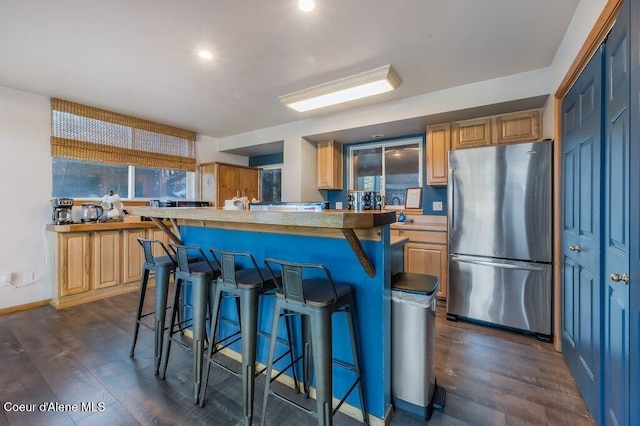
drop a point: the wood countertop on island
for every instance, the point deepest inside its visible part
(353, 226)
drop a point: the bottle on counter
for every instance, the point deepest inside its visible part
(402, 217)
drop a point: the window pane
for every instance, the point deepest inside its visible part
(367, 169)
(271, 185)
(83, 179)
(401, 171)
(159, 183)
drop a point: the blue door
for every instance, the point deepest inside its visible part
(616, 224)
(581, 231)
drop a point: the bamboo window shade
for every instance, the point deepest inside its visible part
(91, 134)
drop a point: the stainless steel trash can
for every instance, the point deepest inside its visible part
(413, 315)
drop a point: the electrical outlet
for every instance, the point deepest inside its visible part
(5, 279)
(437, 206)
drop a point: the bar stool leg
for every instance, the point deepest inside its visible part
(143, 291)
(322, 362)
(307, 354)
(200, 287)
(162, 288)
(349, 310)
(249, 333)
(214, 305)
(174, 313)
(272, 350)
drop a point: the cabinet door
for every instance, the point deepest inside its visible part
(207, 179)
(249, 182)
(74, 263)
(227, 185)
(438, 146)
(471, 133)
(519, 127)
(106, 259)
(329, 165)
(431, 259)
(160, 235)
(133, 256)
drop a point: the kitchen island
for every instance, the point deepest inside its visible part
(355, 247)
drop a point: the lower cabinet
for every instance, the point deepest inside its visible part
(431, 259)
(426, 253)
(93, 265)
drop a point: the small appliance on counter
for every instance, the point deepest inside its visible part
(91, 212)
(364, 200)
(62, 211)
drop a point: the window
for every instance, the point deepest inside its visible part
(96, 151)
(387, 167)
(271, 183)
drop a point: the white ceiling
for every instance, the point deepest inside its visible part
(140, 57)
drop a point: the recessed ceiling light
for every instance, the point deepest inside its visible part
(204, 54)
(378, 136)
(306, 5)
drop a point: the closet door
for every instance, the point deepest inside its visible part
(616, 224)
(581, 231)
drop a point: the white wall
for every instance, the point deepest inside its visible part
(25, 174)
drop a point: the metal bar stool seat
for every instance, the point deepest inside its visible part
(201, 276)
(162, 266)
(315, 297)
(246, 285)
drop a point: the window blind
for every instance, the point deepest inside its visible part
(91, 134)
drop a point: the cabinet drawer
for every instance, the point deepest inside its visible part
(434, 237)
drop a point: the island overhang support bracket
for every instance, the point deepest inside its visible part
(357, 248)
(167, 231)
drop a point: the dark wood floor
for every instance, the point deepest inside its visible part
(81, 354)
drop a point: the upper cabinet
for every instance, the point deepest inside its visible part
(329, 165)
(438, 146)
(220, 182)
(472, 133)
(520, 126)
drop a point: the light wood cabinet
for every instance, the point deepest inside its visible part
(425, 258)
(522, 126)
(471, 133)
(221, 181)
(426, 253)
(518, 127)
(106, 259)
(330, 165)
(438, 146)
(74, 263)
(132, 254)
(97, 261)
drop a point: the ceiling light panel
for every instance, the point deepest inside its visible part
(368, 83)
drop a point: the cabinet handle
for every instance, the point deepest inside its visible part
(617, 278)
(575, 248)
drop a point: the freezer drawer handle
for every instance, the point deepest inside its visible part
(527, 266)
(575, 248)
(617, 278)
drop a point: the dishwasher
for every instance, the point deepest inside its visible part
(413, 313)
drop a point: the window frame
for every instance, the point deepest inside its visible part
(405, 140)
(272, 167)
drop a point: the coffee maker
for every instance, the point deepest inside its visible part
(62, 211)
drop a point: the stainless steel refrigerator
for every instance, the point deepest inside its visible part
(499, 217)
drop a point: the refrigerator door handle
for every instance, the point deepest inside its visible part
(450, 207)
(511, 265)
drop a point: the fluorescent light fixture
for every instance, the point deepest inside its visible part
(368, 83)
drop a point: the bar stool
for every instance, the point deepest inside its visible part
(162, 266)
(247, 286)
(201, 276)
(315, 298)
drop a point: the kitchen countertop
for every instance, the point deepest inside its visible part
(423, 223)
